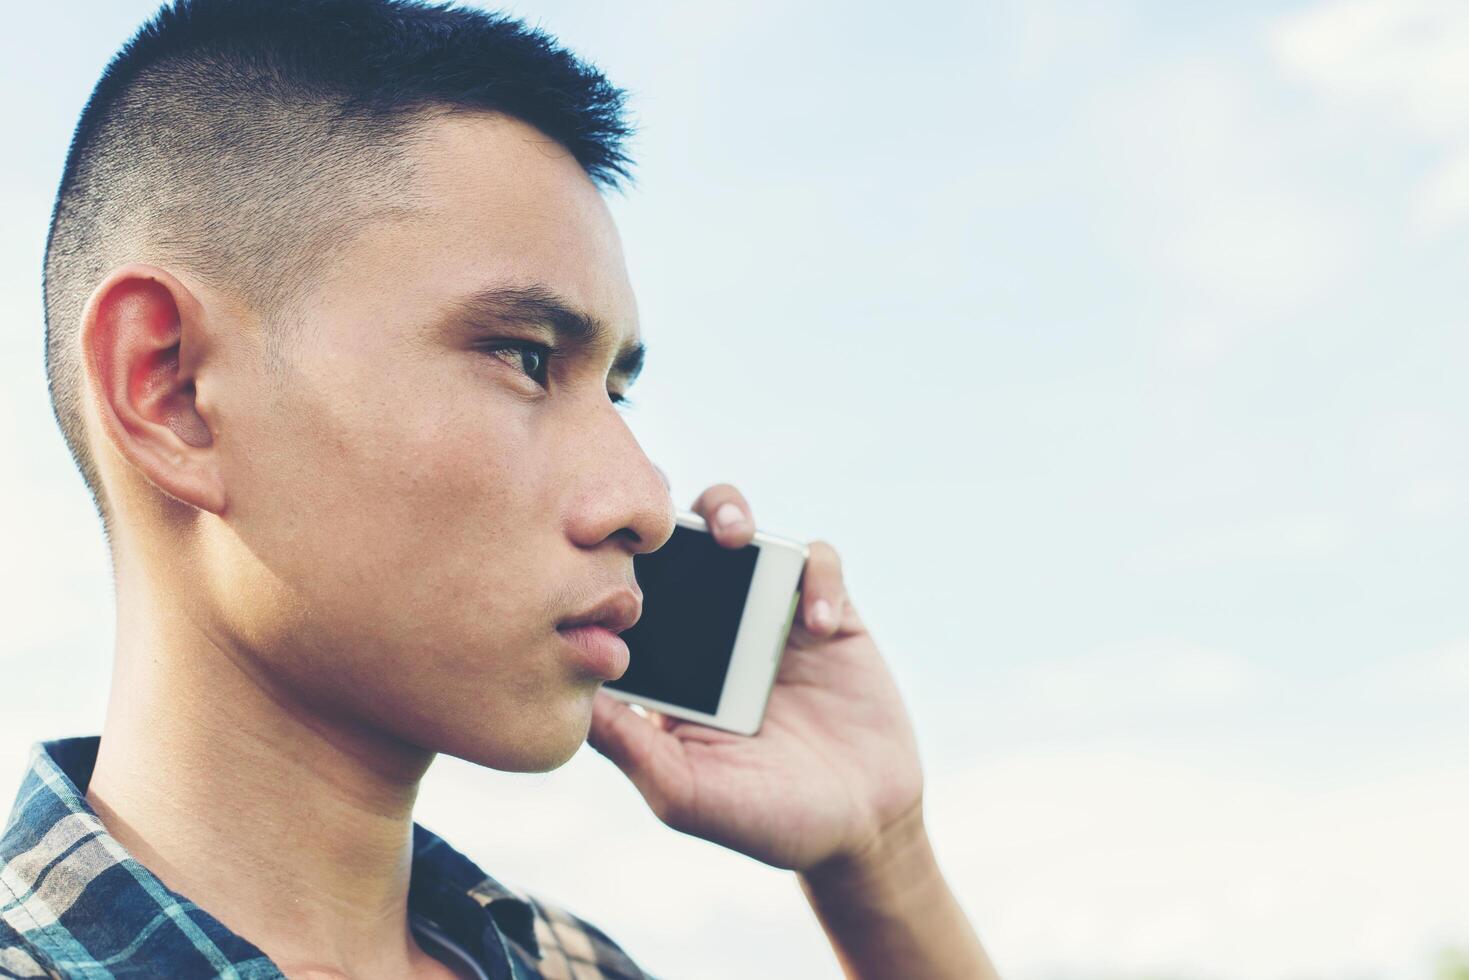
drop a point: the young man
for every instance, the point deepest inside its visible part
(337, 321)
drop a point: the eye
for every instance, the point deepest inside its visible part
(533, 359)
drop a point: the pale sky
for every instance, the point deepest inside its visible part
(1116, 346)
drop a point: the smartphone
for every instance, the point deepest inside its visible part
(714, 625)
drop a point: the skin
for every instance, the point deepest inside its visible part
(329, 575)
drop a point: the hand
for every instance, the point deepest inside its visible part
(835, 764)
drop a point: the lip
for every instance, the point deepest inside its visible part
(600, 649)
(615, 612)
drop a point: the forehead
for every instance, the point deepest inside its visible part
(494, 203)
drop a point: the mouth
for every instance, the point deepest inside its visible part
(614, 613)
(599, 649)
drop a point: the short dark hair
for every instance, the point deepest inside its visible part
(240, 137)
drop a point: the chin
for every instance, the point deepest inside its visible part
(531, 749)
(525, 758)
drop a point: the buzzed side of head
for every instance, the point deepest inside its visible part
(242, 139)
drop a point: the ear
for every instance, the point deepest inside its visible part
(142, 342)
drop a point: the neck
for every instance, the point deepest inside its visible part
(292, 830)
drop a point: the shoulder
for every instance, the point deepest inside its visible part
(18, 959)
(544, 938)
(575, 949)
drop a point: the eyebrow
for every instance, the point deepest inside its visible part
(536, 305)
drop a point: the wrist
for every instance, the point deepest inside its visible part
(893, 870)
(888, 911)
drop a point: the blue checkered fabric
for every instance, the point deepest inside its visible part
(74, 903)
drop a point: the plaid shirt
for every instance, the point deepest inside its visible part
(74, 903)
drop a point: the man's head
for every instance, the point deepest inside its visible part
(295, 244)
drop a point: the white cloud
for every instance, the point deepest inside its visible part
(1404, 56)
(1419, 456)
(1404, 61)
(1126, 678)
(1271, 539)
(1048, 32)
(1438, 676)
(1444, 197)
(1209, 195)
(1081, 863)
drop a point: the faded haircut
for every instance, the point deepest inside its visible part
(241, 139)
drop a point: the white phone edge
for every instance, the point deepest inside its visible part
(759, 642)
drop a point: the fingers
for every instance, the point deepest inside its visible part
(659, 720)
(823, 590)
(825, 606)
(633, 744)
(728, 515)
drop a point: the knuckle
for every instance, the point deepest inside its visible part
(824, 554)
(716, 495)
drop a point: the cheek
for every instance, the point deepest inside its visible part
(418, 454)
(413, 542)
(431, 488)
(432, 503)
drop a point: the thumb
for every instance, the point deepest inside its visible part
(650, 757)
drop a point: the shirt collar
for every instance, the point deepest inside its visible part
(51, 817)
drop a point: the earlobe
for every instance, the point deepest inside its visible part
(140, 337)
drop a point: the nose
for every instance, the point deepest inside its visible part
(618, 492)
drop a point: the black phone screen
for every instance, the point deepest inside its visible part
(694, 593)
